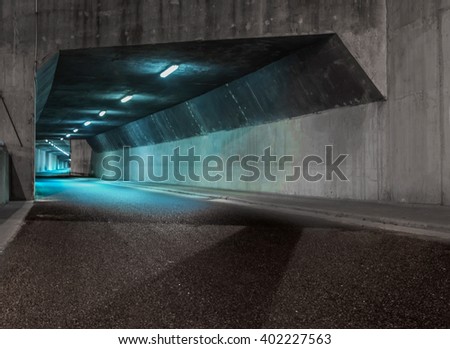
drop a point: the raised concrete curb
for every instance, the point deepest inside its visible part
(378, 223)
(12, 217)
(435, 230)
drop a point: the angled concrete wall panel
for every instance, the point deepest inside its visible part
(319, 77)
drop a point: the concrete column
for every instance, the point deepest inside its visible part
(17, 57)
(444, 25)
(81, 155)
(4, 175)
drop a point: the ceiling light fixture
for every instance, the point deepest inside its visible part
(87, 123)
(62, 151)
(169, 71)
(103, 113)
(126, 99)
(75, 130)
(68, 135)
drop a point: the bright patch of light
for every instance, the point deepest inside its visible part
(126, 99)
(61, 139)
(75, 130)
(62, 151)
(103, 112)
(87, 123)
(169, 71)
(68, 135)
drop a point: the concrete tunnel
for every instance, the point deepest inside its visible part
(294, 128)
(308, 48)
(219, 90)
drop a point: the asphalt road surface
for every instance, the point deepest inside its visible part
(95, 255)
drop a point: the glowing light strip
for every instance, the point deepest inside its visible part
(126, 99)
(62, 151)
(169, 71)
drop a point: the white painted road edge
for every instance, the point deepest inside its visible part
(371, 222)
(11, 225)
(357, 222)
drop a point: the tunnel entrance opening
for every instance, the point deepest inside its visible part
(111, 98)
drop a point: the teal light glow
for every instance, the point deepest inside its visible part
(126, 99)
(62, 151)
(103, 112)
(87, 123)
(169, 71)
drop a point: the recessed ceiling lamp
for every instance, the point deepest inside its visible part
(126, 99)
(169, 71)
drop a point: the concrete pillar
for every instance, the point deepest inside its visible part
(444, 42)
(81, 155)
(17, 57)
(4, 175)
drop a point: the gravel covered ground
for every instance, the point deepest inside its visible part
(101, 256)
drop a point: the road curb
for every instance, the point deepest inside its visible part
(12, 224)
(438, 232)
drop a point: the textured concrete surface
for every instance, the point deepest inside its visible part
(89, 256)
(80, 155)
(29, 35)
(321, 75)
(354, 131)
(398, 150)
(111, 73)
(17, 66)
(4, 175)
(12, 217)
(417, 124)
(70, 24)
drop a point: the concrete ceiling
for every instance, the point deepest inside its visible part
(55, 146)
(90, 80)
(321, 76)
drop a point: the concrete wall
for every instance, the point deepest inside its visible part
(17, 57)
(398, 150)
(318, 77)
(412, 129)
(353, 131)
(80, 154)
(71, 24)
(29, 35)
(418, 130)
(4, 175)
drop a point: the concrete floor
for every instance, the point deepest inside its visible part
(93, 255)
